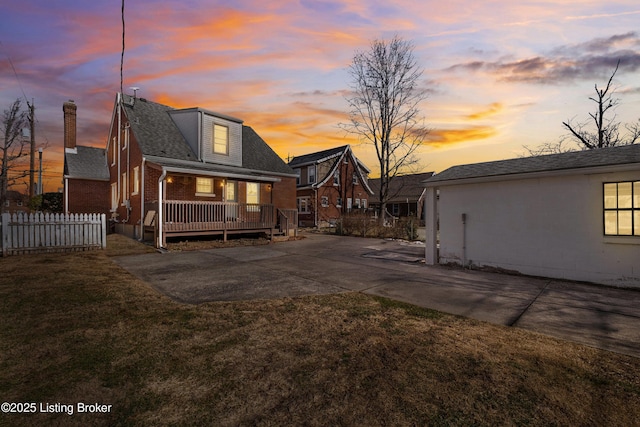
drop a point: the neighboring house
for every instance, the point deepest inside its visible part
(15, 202)
(330, 183)
(572, 216)
(405, 194)
(86, 177)
(182, 172)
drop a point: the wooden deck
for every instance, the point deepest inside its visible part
(192, 218)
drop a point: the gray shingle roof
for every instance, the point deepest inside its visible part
(314, 157)
(158, 136)
(155, 131)
(402, 187)
(257, 155)
(86, 163)
(552, 162)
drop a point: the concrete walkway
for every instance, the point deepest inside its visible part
(601, 317)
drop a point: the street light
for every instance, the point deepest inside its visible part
(40, 172)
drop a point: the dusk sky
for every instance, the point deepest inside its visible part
(500, 74)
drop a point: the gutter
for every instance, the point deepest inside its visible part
(220, 169)
(175, 169)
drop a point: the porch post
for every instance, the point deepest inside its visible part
(161, 239)
(431, 226)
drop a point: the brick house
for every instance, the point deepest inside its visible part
(85, 176)
(182, 172)
(329, 184)
(15, 202)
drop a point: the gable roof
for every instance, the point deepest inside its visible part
(629, 154)
(402, 187)
(317, 157)
(337, 155)
(155, 131)
(86, 163)
(160, 139)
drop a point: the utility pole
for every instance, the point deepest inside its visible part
(32, 167)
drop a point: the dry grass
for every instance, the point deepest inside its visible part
(77, 328)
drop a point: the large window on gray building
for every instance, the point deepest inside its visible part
(622, 208)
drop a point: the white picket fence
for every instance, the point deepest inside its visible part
(43, 232)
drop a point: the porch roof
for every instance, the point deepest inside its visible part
(210, 169)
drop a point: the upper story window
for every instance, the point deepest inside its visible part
(355, 178)
(622, 208)
(336, 177)
(311, 174)
(297, 171)
(220, 139)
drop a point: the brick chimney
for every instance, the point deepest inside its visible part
(69, 109)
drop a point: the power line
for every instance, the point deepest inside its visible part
(122, 54)
(16, 73)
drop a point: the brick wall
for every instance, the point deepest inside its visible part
(87, 196)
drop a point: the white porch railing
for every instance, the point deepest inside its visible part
(31, 233)
(193, 216)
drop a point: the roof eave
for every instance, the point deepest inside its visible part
(590, 170)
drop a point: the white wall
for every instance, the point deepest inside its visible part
(550, 226)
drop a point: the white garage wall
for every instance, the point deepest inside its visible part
(546, 226)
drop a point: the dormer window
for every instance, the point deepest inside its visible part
(220, 139)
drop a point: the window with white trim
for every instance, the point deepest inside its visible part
(297, 171)
(253, 193)
(136, 180)
(114, 196)
(303, 204)
(324, 201)
(336, 177)
(125, 187)
(621, 208)
(114, 151)
(311, 174)
(220, 139)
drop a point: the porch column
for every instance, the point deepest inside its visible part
(431, 226)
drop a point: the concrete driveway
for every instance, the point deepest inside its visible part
(602, 317)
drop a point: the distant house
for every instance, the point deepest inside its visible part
(184, 172)
(85, 176)
(405, 194)
(15, 202)
(572, 215)
(329, 184)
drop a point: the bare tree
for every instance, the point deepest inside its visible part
(13, 149)
(607, 130)
(549, 148)
(384, 107)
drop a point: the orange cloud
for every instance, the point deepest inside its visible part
(492, 110)
(447, 137)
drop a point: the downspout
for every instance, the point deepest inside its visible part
(160, 209)
(118, 155)
(464, 240)
(66, 195)
(127, 141)
(142, 195)
(316, 207)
